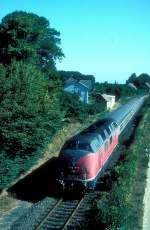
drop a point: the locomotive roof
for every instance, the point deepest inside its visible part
(98, 124)
(90, 133)
(94, 135)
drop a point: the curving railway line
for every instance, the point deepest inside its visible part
(55, 214)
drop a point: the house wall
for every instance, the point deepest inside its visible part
(111, 103)
(80, 90)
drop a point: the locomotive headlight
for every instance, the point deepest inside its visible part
(77, 168)
(74, 169)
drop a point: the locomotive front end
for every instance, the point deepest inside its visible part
(71, 176)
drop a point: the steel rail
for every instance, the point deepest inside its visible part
(48, 214)
(73, 213)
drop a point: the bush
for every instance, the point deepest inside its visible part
(29, 114)
(73, 108)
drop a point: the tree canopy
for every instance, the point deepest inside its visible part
(139, 81)
(28, 37)
(66, 75)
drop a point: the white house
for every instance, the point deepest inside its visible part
(110, 99)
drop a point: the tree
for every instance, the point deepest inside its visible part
(66, 75)
(28, 37)
(140, 81)
(132, 78)
(29, 114)
(98, 103)
(72, 106)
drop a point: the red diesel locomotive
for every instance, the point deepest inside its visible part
(85, 156)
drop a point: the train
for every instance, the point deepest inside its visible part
(84, 157)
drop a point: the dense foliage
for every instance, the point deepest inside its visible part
(73, 108)
(28, 37)
(33, 105)
(26, 108)
(66, 75)
(140, 81)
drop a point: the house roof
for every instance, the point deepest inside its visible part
(107, 97)
(85, 83)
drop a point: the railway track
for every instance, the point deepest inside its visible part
(56, 214)
(51, 213)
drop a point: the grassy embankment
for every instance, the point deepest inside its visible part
(122, 207)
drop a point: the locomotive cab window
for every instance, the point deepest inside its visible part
(71, 145)
(84, 146)
(76, 144)
(95, 145)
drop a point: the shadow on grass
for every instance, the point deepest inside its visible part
(38, 184)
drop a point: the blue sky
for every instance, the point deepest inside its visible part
(109, 39)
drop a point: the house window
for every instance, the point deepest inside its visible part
(76, 89)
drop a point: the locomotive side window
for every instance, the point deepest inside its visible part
(114, 124)
(106, 146)
(107, 135)
(103, 135)
(110, 139)
(102, 154)
(100, 140)
(111, 127)
(108, 130)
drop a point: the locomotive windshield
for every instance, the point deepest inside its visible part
(77, 145)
